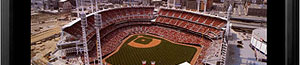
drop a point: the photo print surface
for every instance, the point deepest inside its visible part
(148, 32)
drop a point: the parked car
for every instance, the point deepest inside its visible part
(240, 44)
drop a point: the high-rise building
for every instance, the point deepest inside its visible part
(192, 4)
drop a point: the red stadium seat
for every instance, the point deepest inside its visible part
(141, 13)
(209, 21)
(202, 19)
(189, 16)
(160, 11)
(206, 30)
(170, 13)
(203, 29)
(149, 11)
(189, 26)
(196, 27)
(221, 25)
(182, 24)
(164, 12)
(113, 13)
(178, 22)
(158, 19)
(166, 20)
(217, 32)
(123, 13)
(177, 14)
(195, 18)
(213, 30)
(161, 19)
(173, 21)
(216, 23)
(183, 15)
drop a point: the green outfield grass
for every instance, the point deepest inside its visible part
(166, 53)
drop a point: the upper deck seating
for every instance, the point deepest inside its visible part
(109, 17)
(195, 22)
(193, 17)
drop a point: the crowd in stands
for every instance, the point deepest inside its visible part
(109, 17)
(195, 22)
(124, 14)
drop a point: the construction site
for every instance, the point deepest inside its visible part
(101, 32)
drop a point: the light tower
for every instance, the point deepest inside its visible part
(205, 3)
(84, 41)
(77, 8)
(168, 4)
(81, 5)
(98, 24)
(228, 22)
(174, 3)
(96, 5)
(198, 5)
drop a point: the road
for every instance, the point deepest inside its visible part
(247, 25)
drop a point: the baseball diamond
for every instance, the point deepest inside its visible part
(162, 51)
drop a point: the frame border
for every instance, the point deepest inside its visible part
(291, 32)
(5, 39)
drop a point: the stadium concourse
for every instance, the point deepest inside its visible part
(177, 25)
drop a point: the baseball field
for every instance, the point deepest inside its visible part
(145, 47)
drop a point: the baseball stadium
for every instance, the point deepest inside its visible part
(132, 35)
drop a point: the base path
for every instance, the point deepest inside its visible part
(153, 43)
